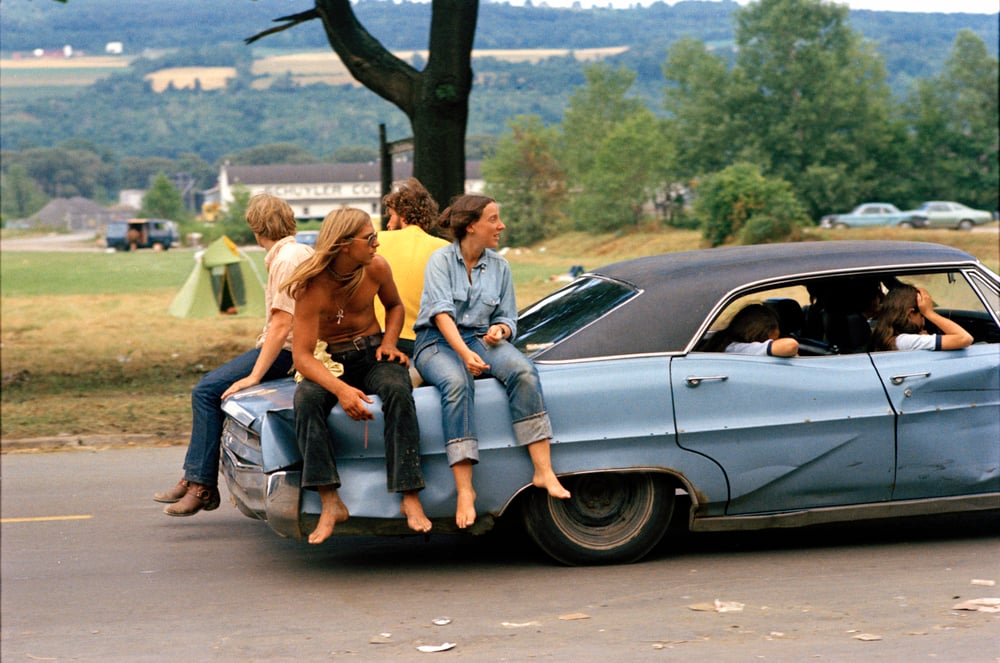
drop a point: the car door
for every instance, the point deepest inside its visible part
(948, 418)
(789, 433)
(940, 215)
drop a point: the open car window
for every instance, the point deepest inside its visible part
(834, 315)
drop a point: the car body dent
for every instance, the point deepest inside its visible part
(947, 405)
(763, 423)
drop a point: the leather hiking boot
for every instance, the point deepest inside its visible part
(174, 494)
(198, 497)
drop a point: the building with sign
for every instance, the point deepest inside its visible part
(315, 190)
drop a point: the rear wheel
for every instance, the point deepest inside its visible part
(612, 518)
(840, 226)
(965, 224)
(906, 224)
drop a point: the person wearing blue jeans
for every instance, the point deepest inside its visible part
(468, 315)
(273, 225)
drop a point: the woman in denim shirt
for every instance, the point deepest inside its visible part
(467, 317)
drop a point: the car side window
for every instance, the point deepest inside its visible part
(956, 298)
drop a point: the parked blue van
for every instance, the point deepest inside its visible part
(157, 234)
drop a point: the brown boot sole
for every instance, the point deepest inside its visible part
(211, 505)
(173, 495)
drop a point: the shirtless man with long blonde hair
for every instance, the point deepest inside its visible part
(334, 294)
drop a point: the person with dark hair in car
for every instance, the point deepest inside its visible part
(754, 331)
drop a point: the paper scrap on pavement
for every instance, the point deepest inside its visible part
(979, 605)
(574, 615)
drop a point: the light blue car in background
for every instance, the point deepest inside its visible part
(652, 432)
(869, 215)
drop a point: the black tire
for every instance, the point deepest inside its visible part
(906, 224)
(966, 224)
(840, 226)
(612, 518)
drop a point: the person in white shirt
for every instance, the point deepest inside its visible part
(901, 320)
(754, 331)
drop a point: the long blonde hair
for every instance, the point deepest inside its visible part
(338, 230)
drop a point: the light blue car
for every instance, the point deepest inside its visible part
(647, 424)
(869, 215)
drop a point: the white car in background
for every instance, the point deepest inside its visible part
(947, 214)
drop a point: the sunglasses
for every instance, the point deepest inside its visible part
(371, 239)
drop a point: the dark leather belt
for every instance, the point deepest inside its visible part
(355, 344)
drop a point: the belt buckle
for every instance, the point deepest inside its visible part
(359, 343)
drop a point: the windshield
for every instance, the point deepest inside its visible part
(550, 320)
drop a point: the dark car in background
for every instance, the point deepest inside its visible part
(156, 234)
(647, 422)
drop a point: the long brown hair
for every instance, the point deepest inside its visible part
(338, 230)
(463, 212)
(755, 323)
(894, 317)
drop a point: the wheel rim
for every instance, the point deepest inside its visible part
(606, 510)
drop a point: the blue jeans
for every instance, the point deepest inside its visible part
(201, 464)
(439, 365)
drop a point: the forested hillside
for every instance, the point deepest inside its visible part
(119, 132)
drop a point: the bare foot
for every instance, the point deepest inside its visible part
(465, 509)
(550, 482)
(334, 511)
(544, 476)
(414, 512)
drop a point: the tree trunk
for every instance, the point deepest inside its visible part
(435, 100)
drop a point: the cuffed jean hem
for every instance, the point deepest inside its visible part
(533, 429)
(462, 449)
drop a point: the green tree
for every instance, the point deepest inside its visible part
(64, 173)
(594, 110)
(163, 201)
(811, 94)
(954, 119)
(20, 195)
(740, 203)
(611, 149)
(806, 99)
(354, 154)
(525, 176)
(630, 166)
(276, 153)
(435, 99)
(233, 222)
(702, 126)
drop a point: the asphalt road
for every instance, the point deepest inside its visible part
(92, 571)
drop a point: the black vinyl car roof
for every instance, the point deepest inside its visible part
(679, 290)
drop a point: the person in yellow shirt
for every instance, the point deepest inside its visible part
(412, 216)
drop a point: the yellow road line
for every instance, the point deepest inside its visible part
(43, 519)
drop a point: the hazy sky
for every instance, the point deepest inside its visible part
(944, 6)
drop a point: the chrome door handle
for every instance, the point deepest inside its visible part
(695, 380)
(899, 379)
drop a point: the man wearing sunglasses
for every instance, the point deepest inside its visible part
(334, 293)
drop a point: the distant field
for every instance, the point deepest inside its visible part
(210, 78)
(26, 78)
(30, 76)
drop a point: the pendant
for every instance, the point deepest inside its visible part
(340, 315)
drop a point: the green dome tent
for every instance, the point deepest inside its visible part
(224, 281)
